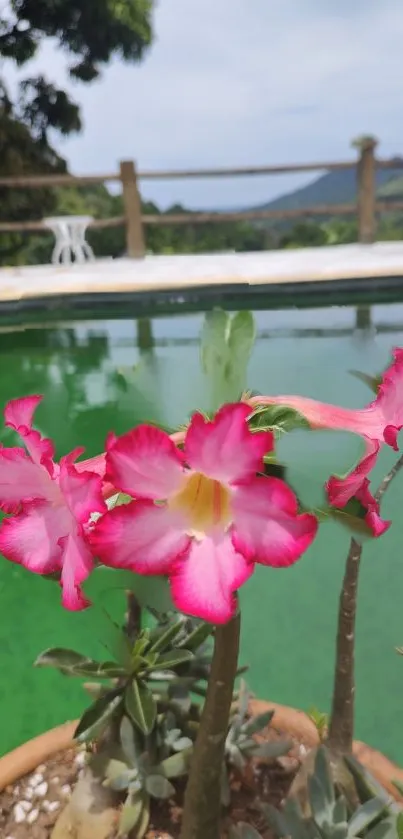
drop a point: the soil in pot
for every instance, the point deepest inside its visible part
(30, 807)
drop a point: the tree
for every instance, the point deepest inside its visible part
(90, 34)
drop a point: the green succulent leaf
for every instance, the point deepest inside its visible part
(158, 786)
(275, 820)
(135, 814)
(129, 739)
(399, 825)
(257, 723)
(140, 705)
(277, 748)
(367, 786)
(96, 717)
(365, 815)
(176, 765)
(385, 829)
(118, 777)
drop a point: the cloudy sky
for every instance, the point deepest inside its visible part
(238, 82)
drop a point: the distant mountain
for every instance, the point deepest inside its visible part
(336, 188)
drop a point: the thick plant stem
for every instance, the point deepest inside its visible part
(202, 807)
(341, 727)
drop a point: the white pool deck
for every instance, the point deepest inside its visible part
(166, 273)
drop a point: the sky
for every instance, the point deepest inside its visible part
(242, 82)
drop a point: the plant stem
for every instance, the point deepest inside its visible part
(341, 725)
(202, 807)
(133, 616)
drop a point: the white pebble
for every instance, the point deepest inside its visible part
(41, 789)
(29, 793)
(19, 814)
(80, 759)
(32, 816)
(26, 805)
(16, 791)
(51, 806)
(41, 768)
(55, 780)
(303, 751)
(9, 837)
(36, 779)
(65, 789)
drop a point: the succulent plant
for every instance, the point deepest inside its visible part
(377, 817)
(240, 743)
(134, 773)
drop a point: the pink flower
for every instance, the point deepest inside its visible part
(378, 423)
(51, 504)
(201, 516)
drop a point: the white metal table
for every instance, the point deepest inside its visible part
(70, 244)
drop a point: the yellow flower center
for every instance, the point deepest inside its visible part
(205, 502)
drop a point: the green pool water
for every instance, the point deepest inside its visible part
(95, 377)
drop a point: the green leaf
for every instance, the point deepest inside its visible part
(170, 660)
(399, 825)
(373, 382)
(129, 740)
(277, 748)
(117, 776)
(159, 787)
(275, 820)
(73, 664)
(140, 705)
(277, 418)
(367, 786)
(323, 774)
(365, 815)
(226, 345)
(96, 717)
(386, 829)
(167, 636)
(198, 637)
(256, 724)
(134, 814)
(176, 765)
(396, 783)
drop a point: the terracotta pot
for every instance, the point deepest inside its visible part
(288, 720)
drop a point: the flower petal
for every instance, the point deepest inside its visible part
(204, 582)
(340, 490)
(82, 491)
(140, 536)
(389, 400)
(77, 564)
(23, 480)
(144, 463)
(225, 449)
(267, 527)
(372, 517)
(31, 538)
(18, 414)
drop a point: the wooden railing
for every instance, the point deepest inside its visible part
(366, 207)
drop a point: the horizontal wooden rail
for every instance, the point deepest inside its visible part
(41, 181)
(167, 219)
(244, 170)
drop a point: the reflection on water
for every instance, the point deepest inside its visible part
(105, 375)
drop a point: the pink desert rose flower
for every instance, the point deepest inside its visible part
(201, 516)
(378, 423)
(51, 502)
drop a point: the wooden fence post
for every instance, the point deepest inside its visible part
(135, 244)
(366, 189)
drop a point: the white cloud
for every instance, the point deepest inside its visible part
(236, 82)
